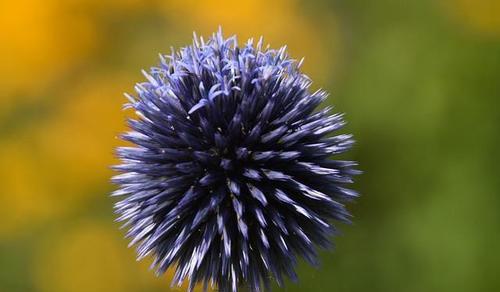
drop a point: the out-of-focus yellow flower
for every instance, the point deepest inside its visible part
(88, 258)
(54, 167)
(40, 39)
(77, 143)
(24, 190)
(479, 16)
(93, 257)
(280, 22)
(80, 137)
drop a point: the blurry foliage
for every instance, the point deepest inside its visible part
(417, 79)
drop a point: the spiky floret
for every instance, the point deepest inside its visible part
(230, 179)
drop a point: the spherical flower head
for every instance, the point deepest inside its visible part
(231, 179)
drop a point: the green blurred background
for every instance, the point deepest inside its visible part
(419, 81)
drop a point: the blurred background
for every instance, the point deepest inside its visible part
(419, 81)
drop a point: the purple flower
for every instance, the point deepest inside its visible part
(230, 179)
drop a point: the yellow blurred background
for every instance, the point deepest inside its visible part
(418, 80)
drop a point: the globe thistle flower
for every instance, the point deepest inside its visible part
(230, 180)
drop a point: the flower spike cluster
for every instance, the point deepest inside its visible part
(231, 177)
